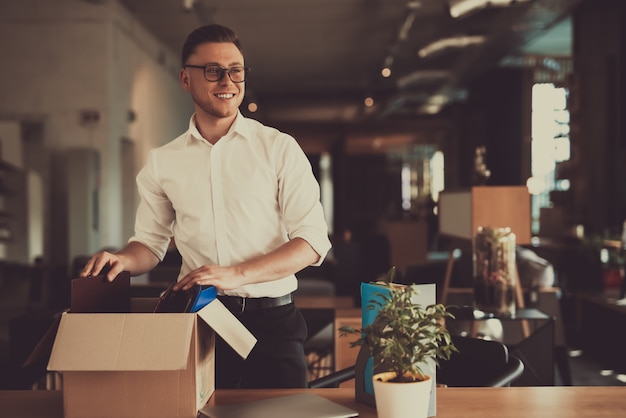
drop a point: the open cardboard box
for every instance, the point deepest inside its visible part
(142, 364)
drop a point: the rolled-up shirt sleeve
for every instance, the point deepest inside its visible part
(155, 214)
(299, 199)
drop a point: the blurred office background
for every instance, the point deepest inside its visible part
(392, 100)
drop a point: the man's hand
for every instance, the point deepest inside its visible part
(223, 278)
(103, 260)
(135, 258)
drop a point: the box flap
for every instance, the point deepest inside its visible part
(41, 352)
(223, 322)
(112, 342)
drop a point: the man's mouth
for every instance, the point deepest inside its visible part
(225, 95)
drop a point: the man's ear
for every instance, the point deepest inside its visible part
(184, 79)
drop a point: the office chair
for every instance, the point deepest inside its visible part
(318, 346)
(333, 380)
(478, 363)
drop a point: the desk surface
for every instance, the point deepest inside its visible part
(527, 402)
(323, 302)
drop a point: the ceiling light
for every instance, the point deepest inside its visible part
(429, 109)
(424, 76)
(386, 72)
(414, 4)
(454, 42)
(368, 102)
(433, 105)
(188, 5)
(406, 27)
(460, 8)
(438, 99)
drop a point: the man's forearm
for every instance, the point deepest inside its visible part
(287, 259)
(137, 258)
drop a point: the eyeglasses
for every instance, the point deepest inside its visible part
(216, 73)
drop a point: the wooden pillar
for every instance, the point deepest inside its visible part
(599, 95)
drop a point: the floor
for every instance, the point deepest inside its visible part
(588, 372)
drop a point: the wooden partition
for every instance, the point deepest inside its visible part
(462, 212)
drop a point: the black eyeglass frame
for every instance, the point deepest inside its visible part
(221, 73)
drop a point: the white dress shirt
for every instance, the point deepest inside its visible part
(225, 203)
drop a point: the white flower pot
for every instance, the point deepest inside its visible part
(401, 400)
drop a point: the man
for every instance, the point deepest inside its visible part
(242, 205)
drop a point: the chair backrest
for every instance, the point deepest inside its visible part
(479, 363)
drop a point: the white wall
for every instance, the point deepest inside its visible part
(65, 57)
(144, 81)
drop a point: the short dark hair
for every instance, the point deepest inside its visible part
(208, 33)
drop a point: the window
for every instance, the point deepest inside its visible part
(422, 177)
(550, 145)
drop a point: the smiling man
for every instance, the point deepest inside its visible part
(242, 204)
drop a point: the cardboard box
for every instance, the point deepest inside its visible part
(142, 364)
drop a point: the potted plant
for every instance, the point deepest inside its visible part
(403, 337)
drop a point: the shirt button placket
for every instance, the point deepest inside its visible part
(218, 206)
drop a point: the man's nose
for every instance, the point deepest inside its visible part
(225, 78)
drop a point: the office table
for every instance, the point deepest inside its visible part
(507, 402)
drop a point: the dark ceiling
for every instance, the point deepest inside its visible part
(317, 60)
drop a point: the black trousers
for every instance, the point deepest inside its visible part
(276, 361)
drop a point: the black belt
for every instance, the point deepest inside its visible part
(240, 304)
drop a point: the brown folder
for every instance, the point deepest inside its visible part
(95, 294)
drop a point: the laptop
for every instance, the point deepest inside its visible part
(303, 405)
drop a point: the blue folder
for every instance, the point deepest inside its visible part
(185, 301)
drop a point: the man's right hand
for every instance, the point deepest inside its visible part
(104, 262)
(135, 258)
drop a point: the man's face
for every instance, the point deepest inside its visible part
(219, 99)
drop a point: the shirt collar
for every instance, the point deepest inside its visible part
(240, 127)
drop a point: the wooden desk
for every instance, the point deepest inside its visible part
(323, 302)
(318, 320)
(31, 403)
(345, 356)
(527, 402)
(508, 402)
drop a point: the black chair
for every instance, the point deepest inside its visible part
(318, 347)
(478, 363)
(333, 380)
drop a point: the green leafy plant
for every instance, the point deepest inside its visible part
(404, 335)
